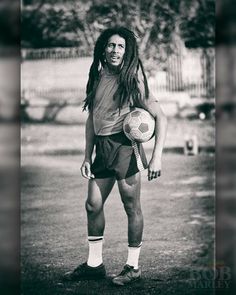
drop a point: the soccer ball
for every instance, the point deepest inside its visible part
(139, 125)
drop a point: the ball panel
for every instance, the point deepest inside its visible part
(127, 128)
(134, 122)
(135, 113)
(143, 127)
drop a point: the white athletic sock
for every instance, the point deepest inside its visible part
(95, 251)
(133, 256)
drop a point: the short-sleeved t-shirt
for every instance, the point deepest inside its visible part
(107, 119)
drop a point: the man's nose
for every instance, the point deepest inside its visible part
(115, 48)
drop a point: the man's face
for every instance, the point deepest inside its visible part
(115, 50)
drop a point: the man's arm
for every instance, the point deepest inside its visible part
(89, 146)
(154, 167)
(89, 138)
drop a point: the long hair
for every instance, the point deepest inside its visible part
(128, 90)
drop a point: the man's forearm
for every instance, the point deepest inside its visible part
(89, 136)
(160, 135)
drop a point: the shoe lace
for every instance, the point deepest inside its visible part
(126, 269)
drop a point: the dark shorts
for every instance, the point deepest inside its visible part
(117, 156)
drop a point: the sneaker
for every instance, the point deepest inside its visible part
(128, 275)
(85, 272)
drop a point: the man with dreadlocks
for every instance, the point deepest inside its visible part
(116, 83)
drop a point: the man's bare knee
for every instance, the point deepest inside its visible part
(93, 208)
(132, 208)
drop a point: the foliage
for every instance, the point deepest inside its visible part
(159, 24)
(152, 21)
(198, 23)
(49, 27)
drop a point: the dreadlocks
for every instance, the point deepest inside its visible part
(128, 89)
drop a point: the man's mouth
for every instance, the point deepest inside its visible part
(115, 58)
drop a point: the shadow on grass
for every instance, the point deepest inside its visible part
(180, 281)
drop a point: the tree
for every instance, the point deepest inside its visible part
(158, 24)
(197, 25)
(48, 26)
(152, 21)
(198, 31)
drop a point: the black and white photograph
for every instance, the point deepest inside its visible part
(121, 189)
(117, 109)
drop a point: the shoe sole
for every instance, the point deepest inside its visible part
(85, 279)
(130, 282)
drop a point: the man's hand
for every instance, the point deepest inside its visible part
(86, 170)
(154, 168)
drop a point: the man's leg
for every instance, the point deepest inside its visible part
(130, 194)
(98, 191)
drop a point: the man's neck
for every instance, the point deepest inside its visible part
(112, 70)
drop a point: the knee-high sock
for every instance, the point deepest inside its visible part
(95, 251)
(133, 256)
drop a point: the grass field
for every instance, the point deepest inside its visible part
(70, 139)
(178, 212)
